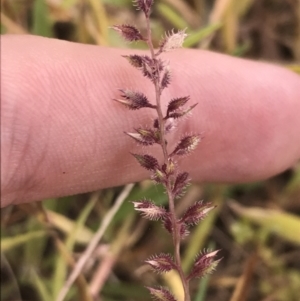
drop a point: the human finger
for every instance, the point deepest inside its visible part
(62, 134)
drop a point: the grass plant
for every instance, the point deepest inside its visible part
(32, 250)
(166, 173)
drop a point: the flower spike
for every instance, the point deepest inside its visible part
(164, 171)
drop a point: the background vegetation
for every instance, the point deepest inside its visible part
(256, 225)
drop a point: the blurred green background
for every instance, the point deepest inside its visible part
(256, 225)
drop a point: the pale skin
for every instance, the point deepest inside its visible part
(62, 134)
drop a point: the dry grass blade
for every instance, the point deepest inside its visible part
(186, 12)
(215, 16)
(118, 246)
(278, 222)
(94, 242)
(243, 284)
(11, 26)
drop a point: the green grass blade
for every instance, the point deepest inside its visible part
(41, 23)
(40, 286)
(7, 243)
(61, 264)
(170, 15)
(201, 293)
(66, 225)
(197, 36)
(273, 221)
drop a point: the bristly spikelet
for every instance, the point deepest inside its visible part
(196, 213)
(172, 41)
(167, 223)
(150, 210)
(134, 100)
(147, 161)
(144, 5)
(186, 145)
(151, 68)
(140, 139)
(145, 136)
(176, 103)
(181, 182)
(161, 263)
(128, 32)
(135, 60)
(161, 294)
(183, 230)
(204, 264)
(166, 78)
(181, 112)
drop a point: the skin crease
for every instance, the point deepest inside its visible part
(62, 134)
